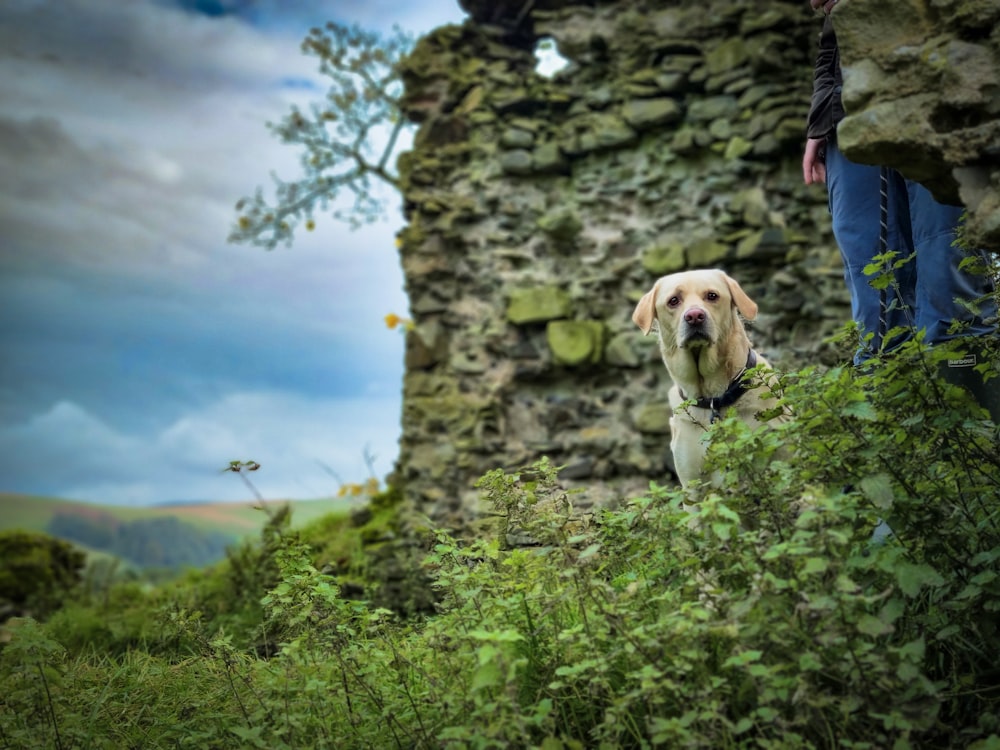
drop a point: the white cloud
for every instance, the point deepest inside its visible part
(143, 352)
(73, 452)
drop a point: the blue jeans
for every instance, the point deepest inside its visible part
(927, 286)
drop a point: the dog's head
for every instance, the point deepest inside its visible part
(693, 308)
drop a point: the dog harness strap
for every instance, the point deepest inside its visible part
(716, 404)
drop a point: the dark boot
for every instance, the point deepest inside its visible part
(962, 372)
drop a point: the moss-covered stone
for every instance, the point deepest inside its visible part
(575, 342)
(549, 158)
(756, 94)
(426, 346)
(706, 252)
(712, 108)
(751, 205)
(721, 129)
(643, 114)
(769, 241)
(517, 138)
(684, 142)
(595, 132)
(622, 351)
(769, 19)
(726, 56)
(664, 258)
(653, 418)
(672, 83)
(562, 225)
(516, 161)
(538, 304)
(737, 148)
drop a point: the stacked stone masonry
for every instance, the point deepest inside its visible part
(922, 84)
(540, 209)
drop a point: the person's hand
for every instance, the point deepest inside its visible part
(825, 5)
(814, 161)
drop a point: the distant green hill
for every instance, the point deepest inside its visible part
(157, 536)
(34, 513)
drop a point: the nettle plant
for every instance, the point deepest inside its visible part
(774, 616)
(886, 487)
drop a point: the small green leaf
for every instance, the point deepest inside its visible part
(947, 632)
(873, 626)
(860, 410)
(723, 531)
(990, 743)
(743, 725)
(984, 578)
(914, 649)
(893, 609)
(809, 663)
(878, 489)
(743, 658)
(488, 653)
(911, 578)
(486, 675)
(815, 565)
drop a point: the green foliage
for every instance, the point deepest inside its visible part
(530, 504)
(896, 442)
(338, 137)
(36, 572)
(770, 617)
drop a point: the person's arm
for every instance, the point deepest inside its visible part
(825, 109)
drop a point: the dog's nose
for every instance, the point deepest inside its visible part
(695, 316)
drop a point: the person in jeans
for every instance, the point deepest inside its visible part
(926, 289)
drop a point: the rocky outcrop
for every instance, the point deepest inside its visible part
(540, 209)
(922, 90)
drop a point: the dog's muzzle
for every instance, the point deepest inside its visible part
(695, 328)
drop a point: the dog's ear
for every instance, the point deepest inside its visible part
(644, 314)
(746, 306)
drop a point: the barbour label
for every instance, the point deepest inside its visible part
(966, 361)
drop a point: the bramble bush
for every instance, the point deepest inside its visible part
(771, 617)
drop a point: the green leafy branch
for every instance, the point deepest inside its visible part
(348, 140)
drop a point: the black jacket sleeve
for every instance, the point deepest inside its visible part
(826, 109)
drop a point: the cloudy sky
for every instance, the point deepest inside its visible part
(139, 351)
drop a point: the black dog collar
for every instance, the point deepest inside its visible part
(736, 389)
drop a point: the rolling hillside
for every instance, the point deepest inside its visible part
(165, 536)
(33, 513)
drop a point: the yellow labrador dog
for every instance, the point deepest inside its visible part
(707, 352)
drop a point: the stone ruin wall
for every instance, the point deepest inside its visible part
(539, 211)
(922, 84)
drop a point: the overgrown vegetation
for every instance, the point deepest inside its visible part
(770, 618)
(36, 573)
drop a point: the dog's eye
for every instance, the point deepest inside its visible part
(673, 301)
(712, 296)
